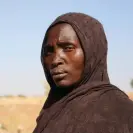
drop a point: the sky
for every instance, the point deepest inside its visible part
(23, 24)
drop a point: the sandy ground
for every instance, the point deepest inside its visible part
(19, 113)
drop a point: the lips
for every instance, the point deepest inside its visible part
(58, 74)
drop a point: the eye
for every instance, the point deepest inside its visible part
(69, 47)
(48, 50)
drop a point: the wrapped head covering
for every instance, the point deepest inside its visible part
(93, 105)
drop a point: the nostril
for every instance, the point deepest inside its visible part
(56, 63)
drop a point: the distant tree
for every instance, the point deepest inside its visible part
(22, 96)
(131, 83)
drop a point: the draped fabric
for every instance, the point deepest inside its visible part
(94, 105)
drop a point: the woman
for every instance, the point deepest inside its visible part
(81, 98)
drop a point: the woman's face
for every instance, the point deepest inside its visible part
(63, 55)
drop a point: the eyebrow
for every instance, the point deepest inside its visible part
(65, 43)
(60, 43)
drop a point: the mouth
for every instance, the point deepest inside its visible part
(58, 75)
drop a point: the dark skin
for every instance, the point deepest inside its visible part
(64, 57)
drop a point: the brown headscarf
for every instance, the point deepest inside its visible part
(94, 105)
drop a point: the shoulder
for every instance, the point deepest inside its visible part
(117, 102)
(117, 96)
(118, 105)
(122, 98)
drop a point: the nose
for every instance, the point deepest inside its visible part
(57, 60)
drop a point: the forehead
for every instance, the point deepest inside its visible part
(61, 32)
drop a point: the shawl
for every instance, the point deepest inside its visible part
(94, 105)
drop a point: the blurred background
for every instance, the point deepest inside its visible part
(23, 23)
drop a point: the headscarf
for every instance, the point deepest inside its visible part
(60, 107)
(93, 41)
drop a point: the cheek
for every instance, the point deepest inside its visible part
(75, 67)
(78, 59)
(77, 62)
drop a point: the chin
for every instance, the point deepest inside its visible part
(66, 84)
(63, 84)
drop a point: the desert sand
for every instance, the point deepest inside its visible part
(18, 114)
